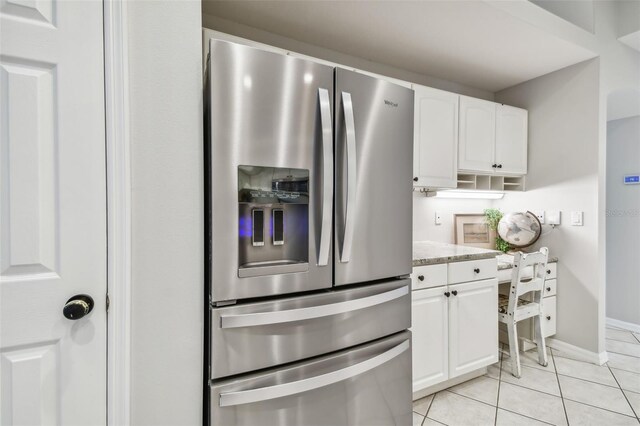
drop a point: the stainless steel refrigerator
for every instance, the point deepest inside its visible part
(308, 188)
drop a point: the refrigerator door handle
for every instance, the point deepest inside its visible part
(350, 131)
(327, 176)
(291, 315)
(293, 388)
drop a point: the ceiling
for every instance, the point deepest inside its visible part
(468, 42)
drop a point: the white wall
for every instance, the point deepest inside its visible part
(623, 221)
(564, 109)
(424, 210)
(167, 212)
(579, 13)
(244, 31)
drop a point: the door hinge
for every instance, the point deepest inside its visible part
(108, 302)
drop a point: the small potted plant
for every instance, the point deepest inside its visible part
(492, 217)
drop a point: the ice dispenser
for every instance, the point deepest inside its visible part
(273, 222)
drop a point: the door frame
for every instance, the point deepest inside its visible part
(117, 151)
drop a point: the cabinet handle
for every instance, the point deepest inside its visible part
(548, 288)
(476, 270)
(548, 317)
(446, 293)
(415, 179)
(421, 277)
(494, 165)
(454, 292)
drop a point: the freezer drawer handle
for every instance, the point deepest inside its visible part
(327, 176)
(291, 315)
(293, 388)
(350, 130)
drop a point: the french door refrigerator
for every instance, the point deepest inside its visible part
(308, 194)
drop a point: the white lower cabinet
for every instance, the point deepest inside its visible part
(455, 330)
(473, 326)
(429, 327)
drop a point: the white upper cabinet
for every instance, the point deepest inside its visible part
(477, 135)
(493, 137)
(435, 154)
(511, 139)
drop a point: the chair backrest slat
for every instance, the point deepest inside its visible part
(520, 286)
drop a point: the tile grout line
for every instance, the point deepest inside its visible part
(600, 408)
(623, 394)
(588, 381)
(564, 407)
(430, 404)
(495, 419)
(624, 341)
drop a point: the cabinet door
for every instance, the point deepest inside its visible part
(473, 326)
(429, 335)
(511, 139)
(435, 146)
(476, 148)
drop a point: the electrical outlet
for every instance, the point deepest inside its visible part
(554, 217)
(540, 215)
(577, 218)
(438, 218)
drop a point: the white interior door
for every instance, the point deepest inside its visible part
(52, 213)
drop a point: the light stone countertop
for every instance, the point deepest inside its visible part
(431, 253)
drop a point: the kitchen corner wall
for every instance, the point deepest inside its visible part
(167, 253)
(564, 113)
(425, 208)
(623, 221)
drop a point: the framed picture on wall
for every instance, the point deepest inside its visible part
(472, 230)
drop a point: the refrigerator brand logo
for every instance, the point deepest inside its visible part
(391, 104)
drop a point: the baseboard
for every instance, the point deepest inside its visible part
(577, 352)
(448, 383)
(624, 325)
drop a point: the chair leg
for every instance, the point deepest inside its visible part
(512, 329)
(542, 347)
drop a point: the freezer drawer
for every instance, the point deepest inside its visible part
(367, 385)
(265, 334)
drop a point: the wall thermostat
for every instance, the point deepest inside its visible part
(632, 179)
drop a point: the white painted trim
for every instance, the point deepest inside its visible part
(629, 326)
(576, 352)
(118, 213)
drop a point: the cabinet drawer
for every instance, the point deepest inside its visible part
(428, 276)
(474, 270)
(550, 288)
(549, 317)
(552, 270)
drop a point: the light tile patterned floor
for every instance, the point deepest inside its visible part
(566, 392)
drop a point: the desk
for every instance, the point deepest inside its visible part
(549, 304)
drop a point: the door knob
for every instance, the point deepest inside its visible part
(78, 306)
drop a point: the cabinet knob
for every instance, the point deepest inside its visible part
(499, 166)
(446, 293)
(548, 288)
(454, 292)
(548, 271)
(421, 277)
(476, 270)
(415, 179)
(494, 165)
(548, 317)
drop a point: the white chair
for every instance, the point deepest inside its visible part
(513, 309)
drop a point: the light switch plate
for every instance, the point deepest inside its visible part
(438, 218)
(577, 218)
(540, 215)
(553, 217)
